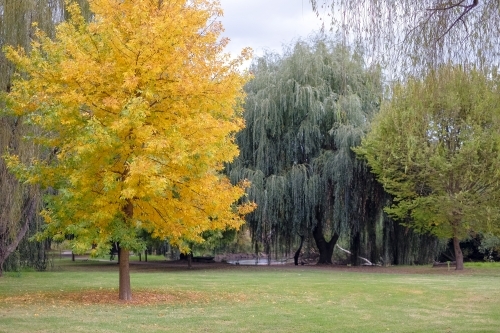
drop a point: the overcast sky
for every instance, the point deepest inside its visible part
(266, 24)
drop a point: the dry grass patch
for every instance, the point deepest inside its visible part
(110, 297)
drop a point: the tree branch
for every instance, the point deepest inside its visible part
(467, 9)
(451, 6)
(349, 252)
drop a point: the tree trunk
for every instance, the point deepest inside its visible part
(2, 260)
(27, 213)
(6, 252)
(355, 248)
(297, 253)
(459, 256)
(125, 291)
(118, 252)
(325, 248)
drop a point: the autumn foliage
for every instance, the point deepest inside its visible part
(138, 109)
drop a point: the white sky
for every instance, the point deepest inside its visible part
(266, 24)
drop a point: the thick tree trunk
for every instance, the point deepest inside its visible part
(325, 248)
(459, 256)
(125, 291)
(297, 253)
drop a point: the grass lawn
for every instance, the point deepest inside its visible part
(82, 297)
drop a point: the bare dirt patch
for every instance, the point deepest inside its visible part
(182, 265)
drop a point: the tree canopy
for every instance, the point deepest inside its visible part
(304, 111)
(139, 108)
(435, 146)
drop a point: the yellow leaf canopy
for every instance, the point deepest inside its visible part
(139, 108)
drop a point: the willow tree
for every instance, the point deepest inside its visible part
(19, 205)
(416, 35)
(304, 111)
(436, 147)
(139, 113)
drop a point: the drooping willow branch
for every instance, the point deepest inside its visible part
(466, 10)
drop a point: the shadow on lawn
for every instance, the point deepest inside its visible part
(85, 264)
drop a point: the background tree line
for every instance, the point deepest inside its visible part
(431, 43)
(304, 112)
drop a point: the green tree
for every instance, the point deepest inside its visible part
(435, 146)
(304, 111)
(138, 107)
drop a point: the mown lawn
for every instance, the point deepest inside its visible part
(81, 297)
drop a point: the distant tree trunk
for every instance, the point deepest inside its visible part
(146, 255)
(118, 252)
(267, 248)
(297, 253)
(459, 256)
(325, 248)
(355, 247)
(125, 291)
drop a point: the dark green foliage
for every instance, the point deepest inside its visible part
(304, 111)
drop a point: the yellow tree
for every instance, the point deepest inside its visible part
(139, 108)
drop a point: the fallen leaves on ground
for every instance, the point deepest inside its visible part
(139, 297)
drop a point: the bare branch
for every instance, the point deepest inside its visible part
(467, 9)
(368, 262)
(449, 7)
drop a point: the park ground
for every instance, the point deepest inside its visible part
(82, 296)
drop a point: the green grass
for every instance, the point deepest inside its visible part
(494, 265)
(252, 299)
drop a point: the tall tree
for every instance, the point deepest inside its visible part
(436, 147)
(304, 112)
(415, 35)
(19, 204)
(139, 108)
